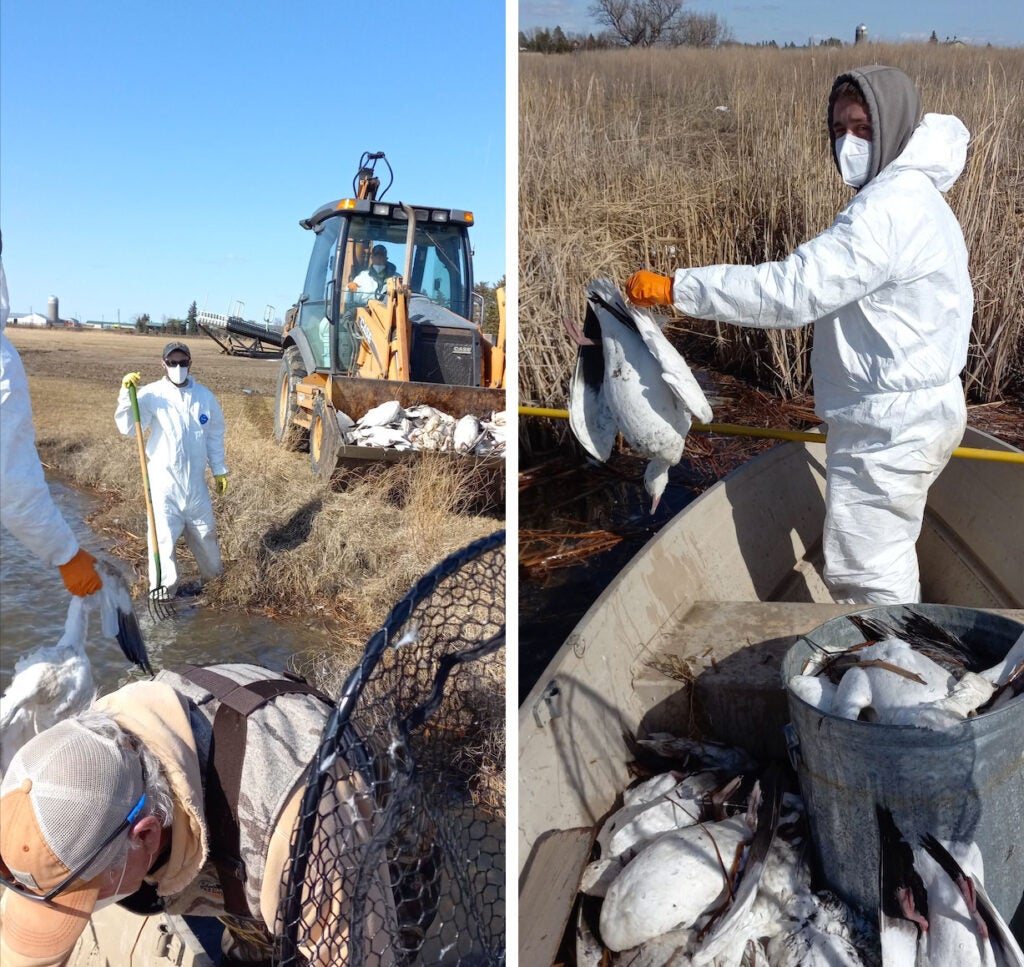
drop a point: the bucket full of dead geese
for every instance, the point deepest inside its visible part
(918, 709)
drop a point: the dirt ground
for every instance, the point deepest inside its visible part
(106, 355)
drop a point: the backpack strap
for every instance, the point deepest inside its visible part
(224, 768)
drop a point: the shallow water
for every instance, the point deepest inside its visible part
(34, 603)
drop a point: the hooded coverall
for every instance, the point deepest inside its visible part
(26, 508)
(186, 433)
(888, 291)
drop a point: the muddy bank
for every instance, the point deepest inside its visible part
(35, 608)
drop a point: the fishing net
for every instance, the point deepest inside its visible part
(398, 856)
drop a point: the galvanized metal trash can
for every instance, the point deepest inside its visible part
(966, 783)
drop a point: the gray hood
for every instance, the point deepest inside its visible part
(894, 106)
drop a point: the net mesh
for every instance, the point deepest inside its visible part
(398, 856)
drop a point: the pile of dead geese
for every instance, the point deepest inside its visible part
(705, 865)
(708, 860)
(908, 671)
(422, 427)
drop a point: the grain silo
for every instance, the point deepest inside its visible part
(861, 35)
(52, 312)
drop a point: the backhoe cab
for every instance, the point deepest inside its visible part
(386, 314)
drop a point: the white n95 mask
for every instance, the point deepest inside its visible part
(117, 897)
(854, 156)
(177, 374)
(110, 901)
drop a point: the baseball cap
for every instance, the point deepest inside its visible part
(378, 250)
(66, 791)
(180, 346)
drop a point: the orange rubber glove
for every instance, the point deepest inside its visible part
(352, 286)
(80, 576)
(649, 289)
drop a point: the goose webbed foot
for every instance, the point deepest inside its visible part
(576, 335)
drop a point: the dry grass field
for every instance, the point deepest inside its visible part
(626, 161)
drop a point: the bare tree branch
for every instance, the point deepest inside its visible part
(699, 30)
(638, 23)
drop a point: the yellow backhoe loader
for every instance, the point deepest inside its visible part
(365, 332)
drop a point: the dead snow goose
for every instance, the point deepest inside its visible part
(383, 414)
(54, 682)
(466, 434)
(629, 378)
(672, 883)
(889, 678)
(933, 909)
(991, 926)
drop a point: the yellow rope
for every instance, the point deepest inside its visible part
(733, 429)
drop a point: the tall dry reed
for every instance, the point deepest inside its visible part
(626, 161)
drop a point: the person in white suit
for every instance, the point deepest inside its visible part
(27, 509)
(186, 435)
(888, 290)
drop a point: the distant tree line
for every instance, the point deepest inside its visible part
(489, 323)
(633, 23)
(650, 23)
(188, 326)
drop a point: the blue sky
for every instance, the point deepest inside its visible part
(152, 154)
(999, 22)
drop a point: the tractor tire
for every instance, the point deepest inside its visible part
(292, 372)
(324, 440)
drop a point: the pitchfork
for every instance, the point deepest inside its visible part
(159, 602)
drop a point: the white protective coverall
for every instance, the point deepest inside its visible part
(372, 285)
(888, 291)
(27, 509)
(186, 427)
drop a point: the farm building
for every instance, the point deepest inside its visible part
(28, 319)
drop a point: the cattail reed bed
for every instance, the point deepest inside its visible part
(667, 158)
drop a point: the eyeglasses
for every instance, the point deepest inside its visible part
(177, 362)
(7, 877)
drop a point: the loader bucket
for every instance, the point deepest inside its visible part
(355, 397)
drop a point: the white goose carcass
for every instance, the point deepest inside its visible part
(933, 908)
(629, 378)
(672, 883)
(466, 434)
(910, 671)
(55, 681)
(382, 415)
(663, 803)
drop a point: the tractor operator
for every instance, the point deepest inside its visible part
(888, 290)
(371, 283)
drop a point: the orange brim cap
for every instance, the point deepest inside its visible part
(37, 929)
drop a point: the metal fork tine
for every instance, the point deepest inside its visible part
(160, 605)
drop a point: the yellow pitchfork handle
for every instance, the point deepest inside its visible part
(733, 429)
